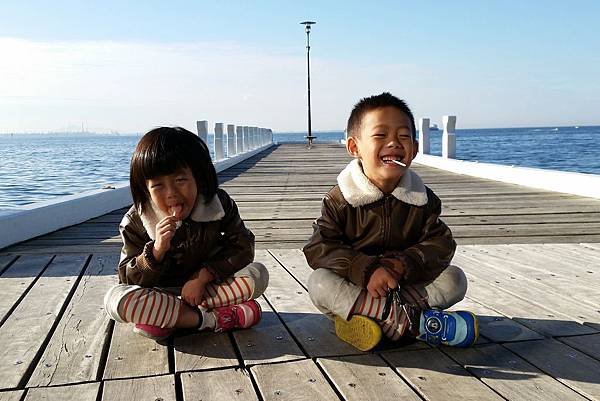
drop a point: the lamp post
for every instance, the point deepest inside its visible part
(307, 25)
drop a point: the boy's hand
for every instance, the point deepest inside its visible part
(165, 230)
(381, 280)
(193, 291)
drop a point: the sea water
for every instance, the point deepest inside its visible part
(40, 167)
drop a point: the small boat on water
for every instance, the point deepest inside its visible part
(434, 127)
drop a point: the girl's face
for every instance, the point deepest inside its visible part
(174, 194)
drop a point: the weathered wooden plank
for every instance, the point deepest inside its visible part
(204, 350)
(510, 376)
(437, 377)
(218, 385)
(553, 279)
(32, 320)
(520, 286)
(132, 355)
(495, 326)
(523, 311)
(78, 392)
(5, 260)
(567, 365)
(143, 389)
(75, 350)
(295, 262)
(366, 377)
(11, 395)
(589, 345)
(539, 239)
(17, 279)
(313, 330)
(267, 342)
(299, 380)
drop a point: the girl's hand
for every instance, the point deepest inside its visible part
(193, 291)
(379, 283)
(165, 230)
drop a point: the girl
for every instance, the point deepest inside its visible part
(183, 236)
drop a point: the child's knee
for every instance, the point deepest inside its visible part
(260, 276)
(449, 288)
(113, 298)
(458, 282)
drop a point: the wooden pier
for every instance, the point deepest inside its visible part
(532, 258)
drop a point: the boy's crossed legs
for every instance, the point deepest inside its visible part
(156, 312)
(409, 313)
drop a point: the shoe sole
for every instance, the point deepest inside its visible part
(475, 327)
(360, 331)
(150, 336)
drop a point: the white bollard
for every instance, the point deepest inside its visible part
(263, 136)
(270, 139)
(203, 130)
(219, 141)
(424, 147)
(239, 139)
(231, 140)
(245, 143)
(448, 138)
(254, 137)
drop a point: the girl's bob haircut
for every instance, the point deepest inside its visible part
(166, 150)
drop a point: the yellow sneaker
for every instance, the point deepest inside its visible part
(360, 331)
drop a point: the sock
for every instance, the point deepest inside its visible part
(207, 319)
(232, 291)
(150, 306)
(369, 306)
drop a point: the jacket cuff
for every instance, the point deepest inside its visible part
(147, 261)
(361, 268)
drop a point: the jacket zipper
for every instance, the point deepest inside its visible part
(387, 222)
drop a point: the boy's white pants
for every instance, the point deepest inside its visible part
(334, 295)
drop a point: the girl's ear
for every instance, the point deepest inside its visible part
(352, 146)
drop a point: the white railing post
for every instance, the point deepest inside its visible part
(218, 141)
(202, 127)
(263, 136)
(239, 139)
(245, 146)
(424, 136)
(231, 151)
(254, 137)
(448, 138)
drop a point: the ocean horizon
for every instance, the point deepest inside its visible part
(40, 166)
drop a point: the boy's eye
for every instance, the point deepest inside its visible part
(155, 186)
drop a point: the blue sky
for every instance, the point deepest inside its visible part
(128, 66)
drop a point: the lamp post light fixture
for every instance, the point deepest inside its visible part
(307, 25)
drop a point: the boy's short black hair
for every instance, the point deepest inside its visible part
(165, 150)
(366, 104)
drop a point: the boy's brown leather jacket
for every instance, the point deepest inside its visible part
(359, 224)
(213, 236)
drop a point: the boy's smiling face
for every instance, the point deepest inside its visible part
(385, 134)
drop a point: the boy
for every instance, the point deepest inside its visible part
(380, 252)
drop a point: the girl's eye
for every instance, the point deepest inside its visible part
(155, 186)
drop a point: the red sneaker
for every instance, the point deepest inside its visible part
(240, 316)
(156, 333)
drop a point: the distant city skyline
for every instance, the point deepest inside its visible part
(128, 67)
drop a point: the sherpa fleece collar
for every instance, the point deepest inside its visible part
(201, 213)
(358, 190)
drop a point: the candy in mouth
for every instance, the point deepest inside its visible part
(397, 161)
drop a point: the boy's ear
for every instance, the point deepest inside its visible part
(351, 146)
(415, 149)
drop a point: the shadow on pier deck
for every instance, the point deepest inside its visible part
(532, 258)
